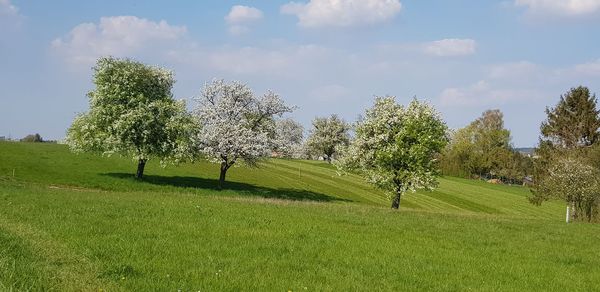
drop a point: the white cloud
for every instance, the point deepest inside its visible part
(243, 14)
(561, 7)
(248, 60)
(513, 82)
(238, 29)
(240, 17)
(253, 61)
(520, 82)
(118, 36)
(520, 70)
(8, 9)
(451, 47)
(590, 68)
(342, 13)
(483, 93)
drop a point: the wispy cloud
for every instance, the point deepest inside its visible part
(240, 17)
(342, 13)
(450, 47)
(567, 8)
(119, 36)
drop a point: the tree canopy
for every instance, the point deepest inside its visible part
(483, 149)
(574, 121)
(288, 138)
(235, 124)
(575, 182)
(395, 147)
(32, 138)
(326, 135)
(132, 112)
(568, 166)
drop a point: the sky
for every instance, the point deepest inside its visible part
(323, 56)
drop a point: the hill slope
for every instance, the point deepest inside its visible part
(50, 164)
(73, 223)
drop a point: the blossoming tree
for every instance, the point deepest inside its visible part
(574, 181)
(326, 135)
(132, 112)
(288, 138)
(395, 147)
(235, 124)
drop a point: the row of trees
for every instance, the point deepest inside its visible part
(397, 148)
(483, 149)
(133, 112)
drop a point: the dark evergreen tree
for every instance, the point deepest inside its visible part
(571, 131)
(574, 122)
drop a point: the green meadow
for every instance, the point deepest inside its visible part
(82, 222)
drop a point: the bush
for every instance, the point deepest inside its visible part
(32, 138)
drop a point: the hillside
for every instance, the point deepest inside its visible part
(81, 222)
(53, 165)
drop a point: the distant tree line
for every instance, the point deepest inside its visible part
(34, 138)
(565, 165)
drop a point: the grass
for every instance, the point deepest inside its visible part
(80, 222)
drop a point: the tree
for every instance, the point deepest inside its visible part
(288, 137)
(575, 182)
(574, 122)
(36, 138)
(481, 148)
(326, 135)
(572, 128)
(235, 124)
(396, 147)
(491, 141)
(132, 112)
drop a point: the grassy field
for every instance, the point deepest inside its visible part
(81, 222)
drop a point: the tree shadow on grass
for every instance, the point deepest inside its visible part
(238, 188)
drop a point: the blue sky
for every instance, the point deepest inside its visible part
(325, 56)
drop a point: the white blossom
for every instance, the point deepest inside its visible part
(395, 147)
(235, 124)
(575, 182)
(326, 135)
(288, 138)
(132, 112)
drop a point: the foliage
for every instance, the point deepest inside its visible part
(483, 149)
(396, 147)
(235, 124)
(572, 129)
(576, 183)
(132, 112)
(288, 138)
(36, 138)
(574, 121)
(326, 135)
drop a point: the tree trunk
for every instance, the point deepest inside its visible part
(396, 201)
(140, 169)
(224, 168)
